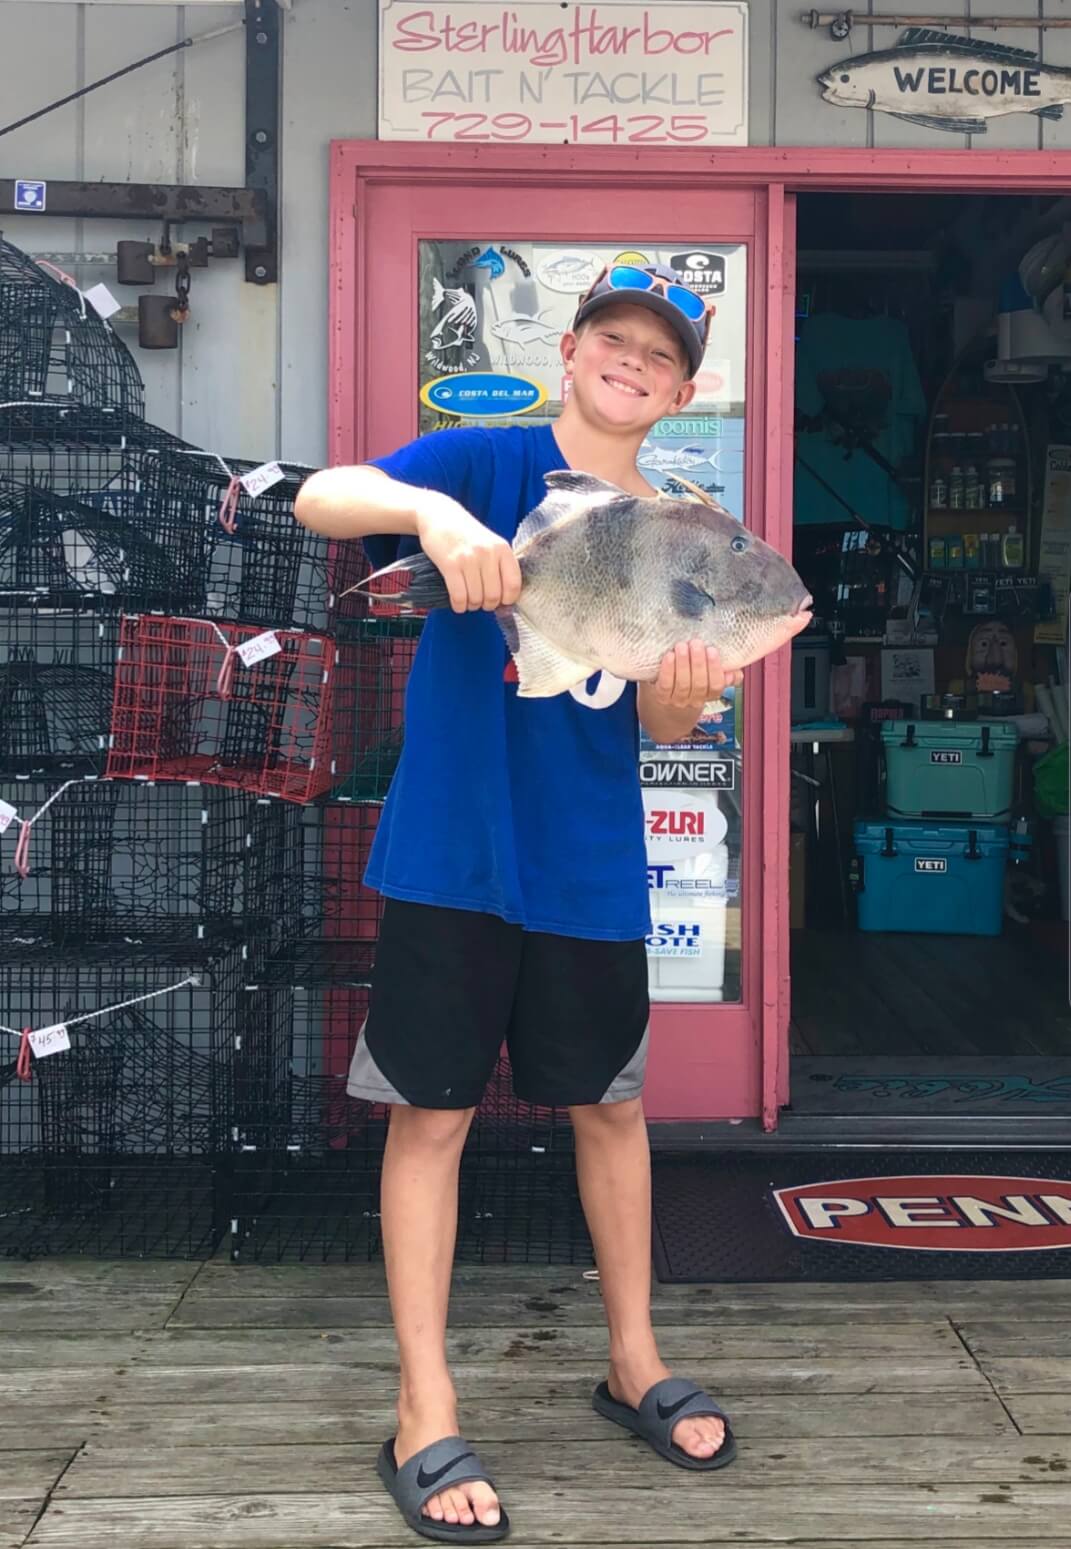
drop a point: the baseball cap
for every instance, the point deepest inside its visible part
(688, 315)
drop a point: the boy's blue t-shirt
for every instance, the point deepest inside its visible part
(529, 809)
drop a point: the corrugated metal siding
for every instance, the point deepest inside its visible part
(250, 377)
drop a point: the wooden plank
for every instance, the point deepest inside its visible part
(274, 1280)
(1016, 1338)
(774, 1514)
(16, 1519)
(1040, 1414)
(104, 1470)
(93, 1310)
(255, 1346)
(515, 1416)
(27, 1474)
(921, 1297)
(303, 1383)
(723, 1303)
(1029, 1374)
(117, 1276)
(69, 1348)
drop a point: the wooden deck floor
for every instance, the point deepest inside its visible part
(208, 1407)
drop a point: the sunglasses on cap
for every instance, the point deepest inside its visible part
(624, 277)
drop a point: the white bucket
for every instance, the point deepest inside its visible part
(1061, 828)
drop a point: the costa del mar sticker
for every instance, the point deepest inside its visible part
(483, 395)
(968, 1213)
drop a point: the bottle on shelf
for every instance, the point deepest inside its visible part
(1001, 482)
(954, 551)
(938, 553)
(938, 493)
(956, 489)
(972, 551)
(1012, 550)
(1019, 842)
(972, 488)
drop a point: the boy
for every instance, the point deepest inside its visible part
(511, 853)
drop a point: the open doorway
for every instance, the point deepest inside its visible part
(932, 522)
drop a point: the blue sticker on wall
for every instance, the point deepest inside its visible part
(30, 194)
(483, 395)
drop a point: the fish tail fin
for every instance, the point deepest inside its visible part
(542, 670)
(408, 586)
(1055, 112)
(437, 292)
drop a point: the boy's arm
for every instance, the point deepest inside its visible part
(688, 678)
(479, 567)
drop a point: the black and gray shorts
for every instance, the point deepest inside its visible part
(451, 986)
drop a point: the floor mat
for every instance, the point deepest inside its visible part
(906, 1087)
(862, 1215)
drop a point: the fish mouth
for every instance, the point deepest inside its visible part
(805, 605)
(623, 385)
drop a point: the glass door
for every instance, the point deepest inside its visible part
(451, 294)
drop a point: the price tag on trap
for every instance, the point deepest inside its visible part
(258, 649)
(102, 301)
(8, 814)
(50, 1040)
(257, 480)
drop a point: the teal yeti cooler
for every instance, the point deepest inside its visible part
(949, 769)
(930, 878)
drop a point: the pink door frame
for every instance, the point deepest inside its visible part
(380, 180)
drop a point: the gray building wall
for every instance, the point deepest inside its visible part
(250, 376)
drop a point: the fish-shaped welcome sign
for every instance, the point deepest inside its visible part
(944, 81)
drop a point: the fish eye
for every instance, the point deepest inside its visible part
(738, 544)
(845, 79)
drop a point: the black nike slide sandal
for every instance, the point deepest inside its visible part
(441, 1466)
(661, 1408)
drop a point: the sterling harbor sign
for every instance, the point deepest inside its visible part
(628, 73)
(944, 81)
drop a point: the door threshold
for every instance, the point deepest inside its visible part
(824, 1132)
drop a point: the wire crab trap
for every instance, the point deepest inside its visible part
(105, 546)
(53, 344)
(369, 725)
(225, 704)
(92, 860)
(111, 1146)
(264, 567)
(308, 1186)
(56, 689)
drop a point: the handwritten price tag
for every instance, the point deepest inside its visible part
(50, 1040)
(8, 814)
(258, 649)
(257, 480)
(102, 301)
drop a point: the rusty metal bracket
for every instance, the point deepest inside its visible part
(262, 112)
(253, 209)
(176, 202)
(840, 23)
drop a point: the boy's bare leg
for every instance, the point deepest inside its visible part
(418, 1205)
(613, 1166)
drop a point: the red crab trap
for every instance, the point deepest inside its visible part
(369, 722)
(114, 1100)
(223, 703)
(55, 345)
(263, 566)
(56, 688)
(89, 860)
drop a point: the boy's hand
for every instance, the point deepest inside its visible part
(692, 675)
(479, 568)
